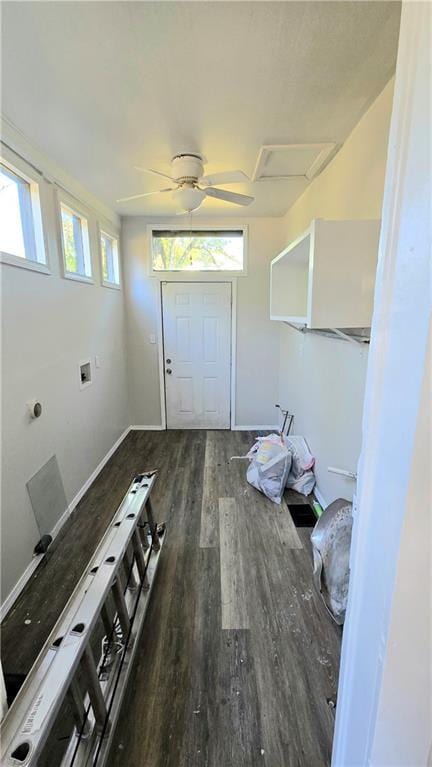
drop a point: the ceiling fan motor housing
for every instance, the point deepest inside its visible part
(187, 167)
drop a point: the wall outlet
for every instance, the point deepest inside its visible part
(152, 338)
(98, 362)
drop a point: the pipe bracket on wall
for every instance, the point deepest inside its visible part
(343, 472)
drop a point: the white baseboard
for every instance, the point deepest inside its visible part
(60, 522)
(240, 427)
(320, 498)
(16, 591)
(237, 427)
(75, 501)
(36, 560)
(152, 427)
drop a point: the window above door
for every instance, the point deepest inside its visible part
(198, 250)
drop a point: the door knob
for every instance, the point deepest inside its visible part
(168, 371)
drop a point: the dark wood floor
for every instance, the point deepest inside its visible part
(238, 658)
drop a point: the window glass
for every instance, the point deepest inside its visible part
(198, 250)
(110, 259)
(16, 217)
(76, 250)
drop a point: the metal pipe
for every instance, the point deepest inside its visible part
(343, 472)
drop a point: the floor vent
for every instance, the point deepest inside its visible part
(302, 514)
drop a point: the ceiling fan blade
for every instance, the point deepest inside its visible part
(225, 177)
(224, 194)
(146, 194)
(153, 172)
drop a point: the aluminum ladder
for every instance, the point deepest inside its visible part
(110, 600)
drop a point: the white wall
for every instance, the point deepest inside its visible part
(257, 336)
(384, 712)
(403, 729)
(50, 324)
(322, 380)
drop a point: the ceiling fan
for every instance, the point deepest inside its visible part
(192, 187)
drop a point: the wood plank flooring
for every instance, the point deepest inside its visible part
(235, 614)
(238, 657)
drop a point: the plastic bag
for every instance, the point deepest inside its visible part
(301, 476)
(303, 484)
(331, 543)
(270, 463)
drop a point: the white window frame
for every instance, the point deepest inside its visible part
(34, 219)
(199, 275)
(71, 204)
(113, 235)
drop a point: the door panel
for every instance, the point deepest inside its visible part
(197, 341)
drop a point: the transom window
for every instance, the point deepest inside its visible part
(198, 250)
(75, 242)
(110, 260)
(21, 233)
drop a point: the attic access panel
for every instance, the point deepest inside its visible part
(285, 161)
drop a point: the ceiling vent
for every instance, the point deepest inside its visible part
(283, 161)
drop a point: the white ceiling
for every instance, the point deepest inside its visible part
(103, 86)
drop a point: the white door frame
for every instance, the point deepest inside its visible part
(392, 408)
(233, 282)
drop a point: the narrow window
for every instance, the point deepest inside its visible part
(110, 260)
(76, 246)
(21, 233)
(191, 251)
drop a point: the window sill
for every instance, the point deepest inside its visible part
(112, 285)
(24, 263)
(78, 278)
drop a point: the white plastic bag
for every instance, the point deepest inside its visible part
(304, 484)
(301, 477)
(270, 463)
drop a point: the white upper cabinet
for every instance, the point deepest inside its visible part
(326, 278)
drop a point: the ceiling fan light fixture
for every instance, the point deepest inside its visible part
(188, 199)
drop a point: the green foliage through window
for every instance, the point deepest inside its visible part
(197, 250)
(75, 242)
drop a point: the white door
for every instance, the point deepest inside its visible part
(197, 354)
